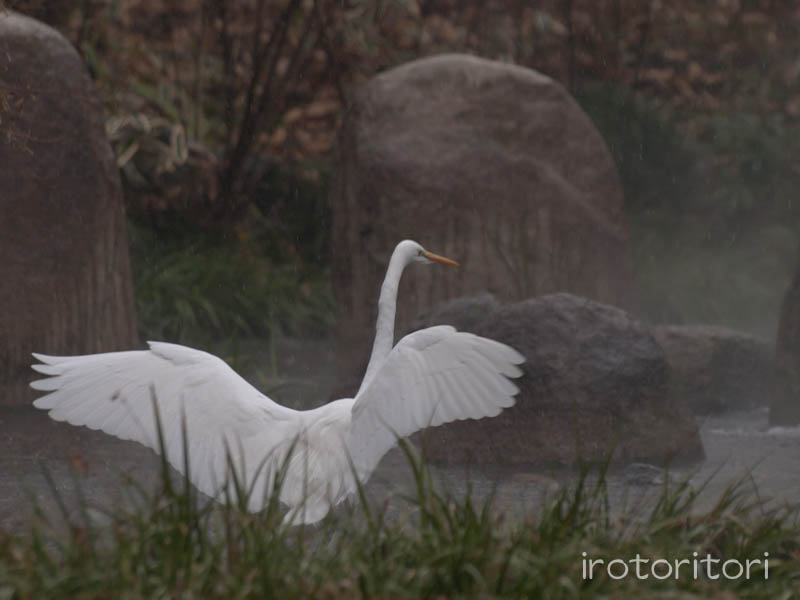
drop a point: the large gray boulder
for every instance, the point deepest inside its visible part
(785, 409)
(595, 381)
(65, 282)
(491, 164)
(716, 369)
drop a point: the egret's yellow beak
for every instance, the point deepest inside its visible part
(439, 259)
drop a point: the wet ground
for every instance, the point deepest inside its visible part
(86, 462)
(740, 449)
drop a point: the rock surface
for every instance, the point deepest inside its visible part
(595, 380)
(715, 368)
(491, 164)
(65, 284)
(464, 313)
(785, 409)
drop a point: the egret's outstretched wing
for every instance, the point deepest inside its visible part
(430, 377)
(112, 392)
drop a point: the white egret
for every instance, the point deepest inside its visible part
(430, 377)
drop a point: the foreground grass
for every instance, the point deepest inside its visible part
(176, 546)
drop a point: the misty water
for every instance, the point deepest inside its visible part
(80, 462)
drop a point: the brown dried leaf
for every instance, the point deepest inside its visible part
(695, 71)
(753, 19)
(293, 115)
(321, 109)
(793, 106)
(659, 76)
(675, 54)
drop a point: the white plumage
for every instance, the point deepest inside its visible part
(430, 377)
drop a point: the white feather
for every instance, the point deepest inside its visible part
(430, 377)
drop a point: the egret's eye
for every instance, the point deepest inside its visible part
(420, 252)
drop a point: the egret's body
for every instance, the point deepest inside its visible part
(431, 376)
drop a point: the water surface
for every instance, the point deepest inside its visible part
(738, 446)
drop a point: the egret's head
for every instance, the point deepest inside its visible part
(415, 253)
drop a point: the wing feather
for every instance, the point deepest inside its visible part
(432, 376)
(112, 392)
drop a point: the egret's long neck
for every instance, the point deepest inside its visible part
(387, 306)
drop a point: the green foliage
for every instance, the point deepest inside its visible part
(654, 160)
(739, 284)
(173, 544)
(199, 287)
(758, 166)
(296, 223)
(712, 205)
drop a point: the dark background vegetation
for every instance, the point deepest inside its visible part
(223, 116)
